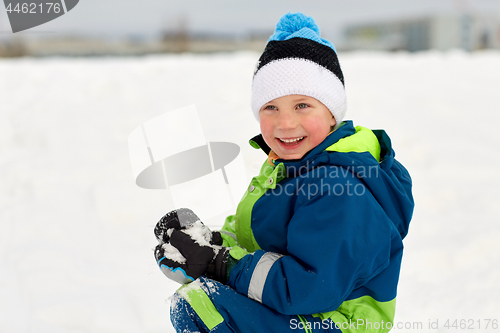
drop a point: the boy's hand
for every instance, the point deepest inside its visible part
(194, 250)
(179, 219)
(187, 256)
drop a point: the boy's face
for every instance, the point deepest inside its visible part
(294, 124)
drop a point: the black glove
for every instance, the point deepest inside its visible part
(188, 249)
(183, 259)
(199, 259)
(178, 219)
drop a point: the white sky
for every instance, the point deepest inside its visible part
(147, 18)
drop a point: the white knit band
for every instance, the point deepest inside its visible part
(284, 77)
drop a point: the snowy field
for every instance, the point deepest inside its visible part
(76, 233)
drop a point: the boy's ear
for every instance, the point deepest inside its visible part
(333, 122)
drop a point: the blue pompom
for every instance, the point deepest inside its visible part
(291, 23)
(298, 25)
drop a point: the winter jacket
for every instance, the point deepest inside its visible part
(323, 235)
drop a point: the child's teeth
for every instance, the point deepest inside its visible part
(292, 140)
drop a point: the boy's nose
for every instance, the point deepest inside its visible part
(286, 120)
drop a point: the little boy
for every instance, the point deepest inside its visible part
(316, 241)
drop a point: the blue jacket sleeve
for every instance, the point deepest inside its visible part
(336, 242)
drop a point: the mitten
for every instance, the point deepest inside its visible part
(189, 254)
(178, 219)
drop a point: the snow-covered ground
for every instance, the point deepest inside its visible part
(76, 233)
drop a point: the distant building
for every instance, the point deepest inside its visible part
(467, 32)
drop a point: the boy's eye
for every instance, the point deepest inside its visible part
(302, 105)
(270, 107)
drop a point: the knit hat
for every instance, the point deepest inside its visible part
(297, 61)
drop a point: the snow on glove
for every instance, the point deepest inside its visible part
(171, 261)
(178, 219)
(189, 254)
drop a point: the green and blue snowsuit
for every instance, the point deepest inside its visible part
(318, 243)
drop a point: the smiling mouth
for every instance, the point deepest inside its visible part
(291, 142)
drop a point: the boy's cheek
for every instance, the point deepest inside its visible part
(266, 129)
